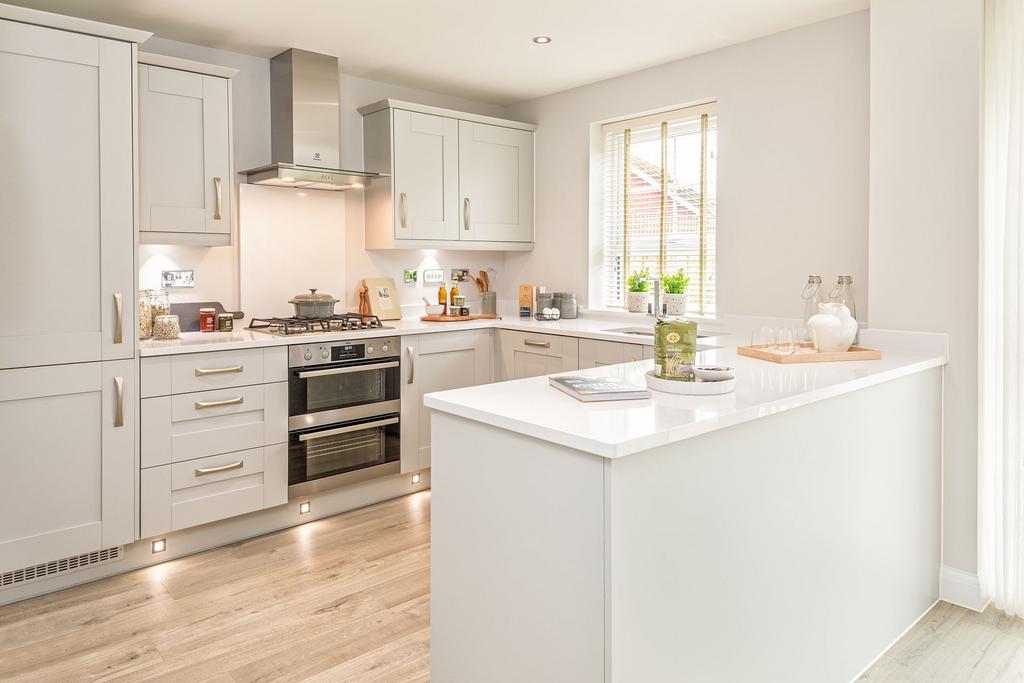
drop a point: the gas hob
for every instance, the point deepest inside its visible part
(346, 322)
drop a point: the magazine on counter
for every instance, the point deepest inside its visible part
(598, 388)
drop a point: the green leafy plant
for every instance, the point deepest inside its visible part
(675, 284)
(637, 282)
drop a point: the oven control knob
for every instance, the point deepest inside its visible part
(325, 354)
(308, 355)
(384, 348)
(369, 348)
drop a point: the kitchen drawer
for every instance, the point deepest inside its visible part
(188, 372)
(544, 344)
(188, 426)
(179, 496)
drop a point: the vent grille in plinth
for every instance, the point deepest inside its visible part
(61, 566)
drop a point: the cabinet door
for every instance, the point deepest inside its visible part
(426, 176)
(184, 180)
(437, 362)
(71, 489)
(648, 352)
(595, 353)
(496, 183)
(525, 354)
(67, 254)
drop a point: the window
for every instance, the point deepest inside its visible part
(659, 202)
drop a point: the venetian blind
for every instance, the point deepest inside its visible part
(659, 202)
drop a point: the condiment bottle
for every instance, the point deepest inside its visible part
(454, 293)
(812, 296)
(442, 298)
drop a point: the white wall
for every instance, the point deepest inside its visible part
(793, 144)
(217, 268)
(923, 231)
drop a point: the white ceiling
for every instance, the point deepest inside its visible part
(474, 48)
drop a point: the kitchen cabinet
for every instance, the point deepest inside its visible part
(525, 354)
(67, 245)
(454, 180)
(437, 362)
(495, 182)
(68, 461)
(214, 432)
(648, 352)
(185, 178)
(595, 353)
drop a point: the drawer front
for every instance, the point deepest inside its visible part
(188, 426)
(215, 468)
(216, 370)
(174, 497)
(543, 344)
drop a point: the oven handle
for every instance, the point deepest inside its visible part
(342, 371)
(346, 430)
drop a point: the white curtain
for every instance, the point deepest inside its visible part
(1001, 509)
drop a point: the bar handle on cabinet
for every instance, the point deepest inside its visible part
(348, 430)
(237, 400)
(535, 342)
(119, 407)
(119, 312)
(217, 195)
(200, 471)
(465, 213)
(412, 365)
(202, 372)
(344, 371)
(403, 211)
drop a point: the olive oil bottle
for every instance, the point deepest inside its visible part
(675, 347)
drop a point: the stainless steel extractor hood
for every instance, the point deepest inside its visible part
(304, 126)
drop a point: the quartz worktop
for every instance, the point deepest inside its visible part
(618, 428)
(591, 326)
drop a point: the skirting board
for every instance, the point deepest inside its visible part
(961, 588)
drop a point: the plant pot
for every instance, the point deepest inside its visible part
(636, 302)
(675, 304)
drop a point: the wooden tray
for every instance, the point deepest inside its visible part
(456, 318)
(807, 354)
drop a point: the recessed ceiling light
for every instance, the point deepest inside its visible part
(542, 40)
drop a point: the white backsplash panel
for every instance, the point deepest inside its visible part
(289, 241)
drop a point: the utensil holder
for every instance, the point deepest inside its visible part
(489, 303)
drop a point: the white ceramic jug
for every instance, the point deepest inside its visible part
(833, 328)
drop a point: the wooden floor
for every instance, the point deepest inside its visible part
(345, 599)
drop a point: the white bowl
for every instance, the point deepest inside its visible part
(714, 373)
(435, 309)
(674, 386)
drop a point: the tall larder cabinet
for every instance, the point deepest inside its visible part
(68, 360)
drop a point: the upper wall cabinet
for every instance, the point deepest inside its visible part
(185, 182)
(457, 180)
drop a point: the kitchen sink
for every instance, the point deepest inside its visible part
(643, 331)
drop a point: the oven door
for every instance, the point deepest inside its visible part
(328, 394)
(319, 454)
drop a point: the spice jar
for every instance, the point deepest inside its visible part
(207, 319)
(166, 327)
(225, 322)
(146, 313)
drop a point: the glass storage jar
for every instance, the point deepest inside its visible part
(161, 303)
(146, 297)
(166, 327)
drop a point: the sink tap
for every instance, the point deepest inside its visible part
(656, 285)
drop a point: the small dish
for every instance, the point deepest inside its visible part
(714, 373)
(700, 388)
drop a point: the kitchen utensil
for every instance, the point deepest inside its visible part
(486, 279)
(671, 386)
(488, 303)
(435, 309)
(425, 299)
(313, 305)
(364, 300)
(714, 373)
(383, 297)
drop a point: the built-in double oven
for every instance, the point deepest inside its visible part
(343, 413)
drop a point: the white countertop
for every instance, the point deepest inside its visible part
(592, 327)
(617, 428)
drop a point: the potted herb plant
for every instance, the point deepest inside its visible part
(638, 292)
(675, 292)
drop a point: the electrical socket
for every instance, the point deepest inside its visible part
(433, 276)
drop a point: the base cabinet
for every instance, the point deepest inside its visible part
(594, 353)
(525, 354)
(68, 461)
(437, 362)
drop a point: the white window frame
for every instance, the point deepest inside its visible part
(596, 246)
